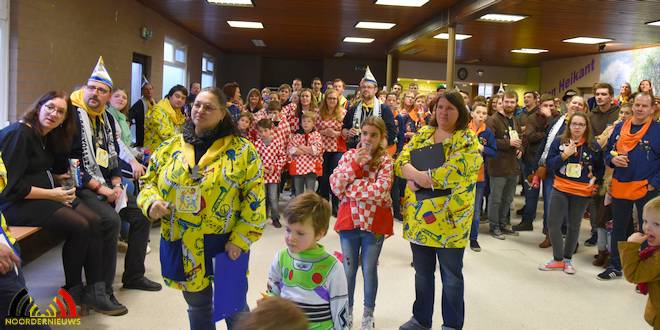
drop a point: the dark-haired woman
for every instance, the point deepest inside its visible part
(438, 219)
(29, 148)
(206, 188)
(577, 163)
(166, 118)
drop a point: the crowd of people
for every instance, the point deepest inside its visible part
(211, 171)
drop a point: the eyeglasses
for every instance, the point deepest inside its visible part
(100, 90)
(331, 98)
(52, 109)
(207, 107)
(578, 125)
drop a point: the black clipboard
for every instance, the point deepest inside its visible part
(429, 158)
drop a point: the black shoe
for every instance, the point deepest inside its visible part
(592, 240)
(143, 284)
(114, 300)
(523, 226)
(97, 299)
(474, 245)
(276, 223)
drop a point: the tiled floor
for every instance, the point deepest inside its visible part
(503, 288)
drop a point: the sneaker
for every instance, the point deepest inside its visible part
(496, 233)
(368, 323)
(592, 240)
(609, 274)
(552, 265)
(474, 245)
(568, 267)
(412, 324)
(507, 230)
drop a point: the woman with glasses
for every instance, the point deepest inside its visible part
(577, 163)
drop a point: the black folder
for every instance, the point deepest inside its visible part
(429, 158)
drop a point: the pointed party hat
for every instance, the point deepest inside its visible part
(501, 89)
(100, 74)
(369, 77)
(144, 81)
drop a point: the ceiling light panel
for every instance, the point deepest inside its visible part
(359, 40)
(656, 23)
(245, 24)
(529, 51)
(402, 3)
(232, 3)
(587, 40)
(374, 25)
(502, 18)
(458, 36)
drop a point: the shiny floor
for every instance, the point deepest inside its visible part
(503, 288)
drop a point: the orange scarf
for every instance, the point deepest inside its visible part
(475, 129)
(627, 141)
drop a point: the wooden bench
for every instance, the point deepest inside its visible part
(21, 233)
(33, 241)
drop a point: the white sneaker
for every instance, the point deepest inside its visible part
(148, 248)
(368, 323)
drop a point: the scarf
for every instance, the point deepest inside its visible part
(628, 141)
(551, 137)
(357, 117)
(78, 99)
(475, 129)
(176, 116)
(88, 146)
(643, 255)
(120, 118)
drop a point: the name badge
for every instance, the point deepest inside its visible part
(102, 157)
(188, 199)
(573, 170)
(513, 134)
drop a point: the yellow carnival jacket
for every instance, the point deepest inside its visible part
(232, 205)
(445, 221)
(3, 183)
(161, 122)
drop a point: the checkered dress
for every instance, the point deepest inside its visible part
(304, 164)
(364, 188)
(273, 157)
(331, 144)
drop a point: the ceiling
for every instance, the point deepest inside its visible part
(315, 29)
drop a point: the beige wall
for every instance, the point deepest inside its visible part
(557, 76)
(438, 71)
(55, 44)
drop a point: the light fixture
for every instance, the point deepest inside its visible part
(374, 25)
(502, 18)
(359, 40)
(339, 54)
(458, 36)
(232, 3)
(403, 3)
(655, 23)
(529, 51)
(245, 24)
(586, 40)
(258, 43)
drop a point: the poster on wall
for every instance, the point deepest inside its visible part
(632, 67)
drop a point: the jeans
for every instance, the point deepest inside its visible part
(330, 161)
(304, 182)
(571, 208)
(355, 243)
(273, 200)
(547, 192)
(200, 310)
(531, 196)
(479, 195)
(451, 273)
(622, 214)
(502, 189)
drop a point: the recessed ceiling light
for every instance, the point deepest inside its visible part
(502, 18)
(586, 40)
(359, 40)
(529, 51)
(258, 43)
(403, 3)
(245, 24)
(656, 23)
(232, 3)
(339, 54)
(374, 25)
(458, 36)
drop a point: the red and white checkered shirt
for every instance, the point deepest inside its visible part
(307, 163)
(331, 143)
(273, 157)
(282, 130)
(366, 189)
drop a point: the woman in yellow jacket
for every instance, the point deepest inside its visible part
(438, 207)
(206, 188)
(166, 118)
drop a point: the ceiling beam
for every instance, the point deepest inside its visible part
(462, 11)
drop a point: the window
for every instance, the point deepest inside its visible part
(208, 78)
(4, 62)
(174, 65)
(486, 90)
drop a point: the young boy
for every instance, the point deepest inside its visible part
(643, 267)
(306, 151)
(273, 158)
(273, 313)
(304, 272)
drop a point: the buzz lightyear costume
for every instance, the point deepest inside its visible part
(316, 282)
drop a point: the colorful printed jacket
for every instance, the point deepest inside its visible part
(316, 282)
(232, 205)
(444, 221)
(4, 231)
(161, 123)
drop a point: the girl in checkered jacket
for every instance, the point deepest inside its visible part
(362, 181)
(272, 154)
(306, 151)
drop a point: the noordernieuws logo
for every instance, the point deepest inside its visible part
(23, 311)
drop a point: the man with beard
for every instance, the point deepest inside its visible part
(503, 168)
